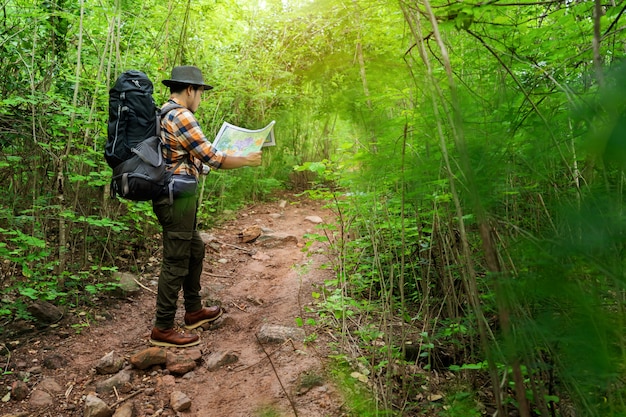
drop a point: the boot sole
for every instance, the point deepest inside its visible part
(168, 344)
(205, 321)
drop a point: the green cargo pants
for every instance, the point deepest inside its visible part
(183, 255)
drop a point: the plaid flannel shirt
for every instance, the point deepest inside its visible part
(184, 140)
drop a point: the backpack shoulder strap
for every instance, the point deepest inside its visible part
(168, 107)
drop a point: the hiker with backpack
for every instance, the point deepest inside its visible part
(186, 150)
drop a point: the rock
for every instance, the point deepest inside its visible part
(40, 399)
(168, 380)
(270, 333)
(127, 283)
(224, 320)
(44, 312)
(110, 363)
(179, 401)
(261, 256)
(19, 390)
(22, 375)
(218, 359)
(95, 407)
(19, 327)
(63, 334)
(179, 364)
(210, 242)
(125, 410)
(54, 361)
(215, 246)
(194, 354)
(277, 239)
(207, 238)
(249, 234)
(314, 219)
(50, 385)
(121, 382)
(148, 357)
(35, 370)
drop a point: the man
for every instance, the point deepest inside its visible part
(185, 149)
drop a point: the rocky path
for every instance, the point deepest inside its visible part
(254, 361)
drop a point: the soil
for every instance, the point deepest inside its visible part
(256, 284)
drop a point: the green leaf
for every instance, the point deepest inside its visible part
(30, 293)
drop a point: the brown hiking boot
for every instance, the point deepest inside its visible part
(202, 316)
(173, 338)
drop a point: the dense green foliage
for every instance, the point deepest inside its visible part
(472, 151)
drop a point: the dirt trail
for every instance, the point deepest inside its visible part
(259, 283)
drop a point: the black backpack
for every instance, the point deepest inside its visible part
(133, 147)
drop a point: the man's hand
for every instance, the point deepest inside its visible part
(254, 159)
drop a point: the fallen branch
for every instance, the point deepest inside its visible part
(69, 390)
(236, 247)
(236, 305)
(217, 276)
(134, 394)
(293, 406)
(6, 367)
(144, 287)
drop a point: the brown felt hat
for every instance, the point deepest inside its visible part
(186, 75)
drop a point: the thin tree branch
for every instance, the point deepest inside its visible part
(293, 406)
(614, 22)
(526, 94)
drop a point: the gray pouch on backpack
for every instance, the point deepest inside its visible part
(182, 186)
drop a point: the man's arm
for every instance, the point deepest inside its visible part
(250, 160)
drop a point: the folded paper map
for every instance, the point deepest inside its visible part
(235, 140)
